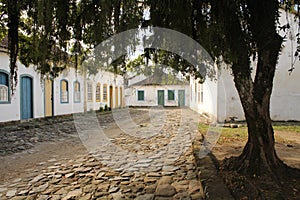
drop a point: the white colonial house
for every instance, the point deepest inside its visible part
(71, 92)
(157, 90)
(219, 99)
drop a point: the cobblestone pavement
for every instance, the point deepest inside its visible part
(151, 158)
(19, 136)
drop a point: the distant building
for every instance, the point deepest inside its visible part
(157, 90)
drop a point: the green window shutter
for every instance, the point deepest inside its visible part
(171, 95)
(140, 95)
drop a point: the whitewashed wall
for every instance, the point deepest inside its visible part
(150, 95)
(209, 104)
(229, 104)
(286, 92)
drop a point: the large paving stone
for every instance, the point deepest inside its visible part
(165, 190)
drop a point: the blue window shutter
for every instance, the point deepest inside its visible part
(3, 79)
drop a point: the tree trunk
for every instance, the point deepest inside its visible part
(259, 155)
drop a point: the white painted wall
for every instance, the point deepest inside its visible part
(229, 104)
(150, 95)
(210, 92)
(285, 98)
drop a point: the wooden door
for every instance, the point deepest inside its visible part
(111, 99)
(117, 97)
(48, 98)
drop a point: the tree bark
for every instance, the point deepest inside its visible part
(259, 155)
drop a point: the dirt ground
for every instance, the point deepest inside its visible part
(288, 149)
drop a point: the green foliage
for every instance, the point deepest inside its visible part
(101, 109)
(52, 33)
(105, 107)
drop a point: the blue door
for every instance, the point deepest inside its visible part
(26, 98)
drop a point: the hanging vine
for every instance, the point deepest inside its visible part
(13, 39)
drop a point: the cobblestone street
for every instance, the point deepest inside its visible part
(102, 156)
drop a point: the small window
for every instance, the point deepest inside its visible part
(89, 92)
(200, 93)
(76, 92)
(171, 94)
(4, 87)
(64, 91)
(141, 96)
(98, 94)
(104, 92)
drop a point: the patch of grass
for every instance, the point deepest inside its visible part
(225, 131)
(241, 134)
(228, 135)
(288, 128)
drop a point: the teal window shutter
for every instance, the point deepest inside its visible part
(141, 96)
(171, 95)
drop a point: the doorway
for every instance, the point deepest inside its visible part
(161, 97)
(26, 97)
(48, 98)
(111, 100)
(181, 98)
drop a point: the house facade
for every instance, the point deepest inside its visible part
(71, 92)
(157, 90)
(157, 95)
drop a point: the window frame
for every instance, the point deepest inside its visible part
(170, 94)
(8, 87)
(89, 93)
(138, 95)
(61, 92)
(75, 92)
(105, 93)
(98, 92)
(201, 93)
